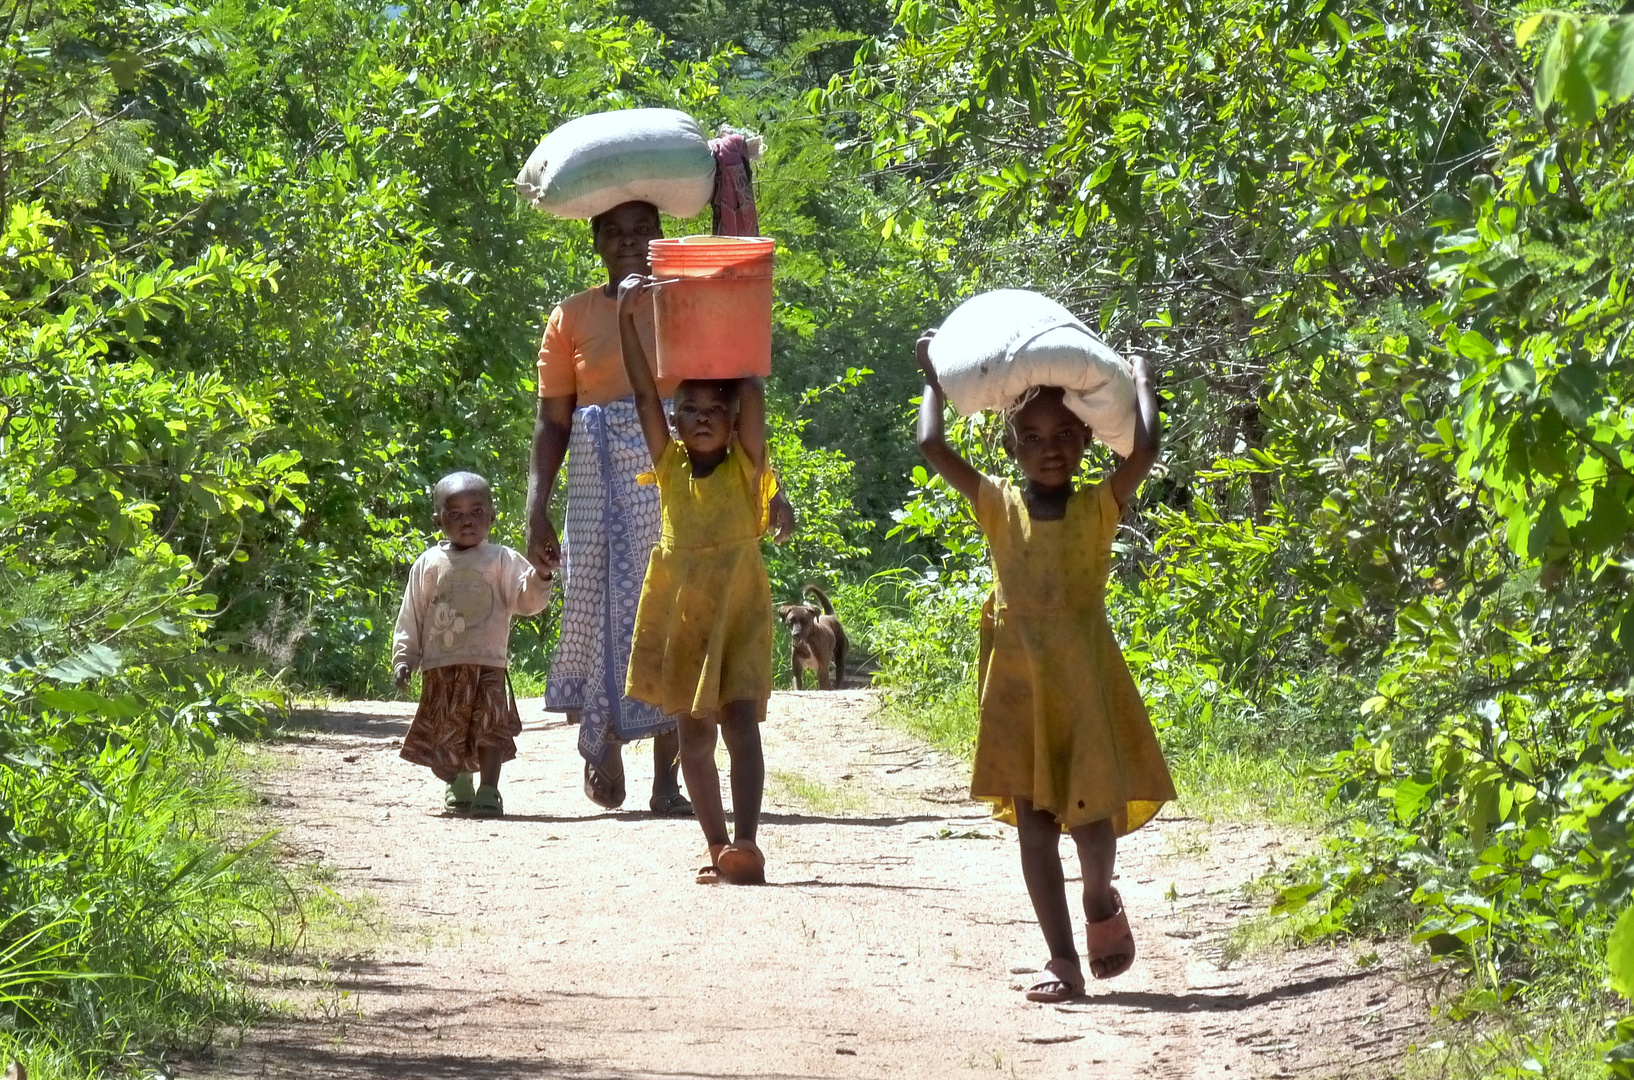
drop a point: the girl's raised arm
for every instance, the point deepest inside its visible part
(752, 437)
(752, 420)
(648, 405)
(1127, 476)
(959, 473)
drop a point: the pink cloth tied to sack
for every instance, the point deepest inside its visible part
(734, 198)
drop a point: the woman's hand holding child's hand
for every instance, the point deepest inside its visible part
(544, 547)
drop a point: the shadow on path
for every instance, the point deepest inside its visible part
(816, 884)
(1144, 1001)
(297, 1057)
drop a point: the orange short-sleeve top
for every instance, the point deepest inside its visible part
(581, 354)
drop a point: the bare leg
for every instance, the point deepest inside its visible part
(666, 753)
(697, 739)
(490, 760)
(1046, 884)
(1097, 856)
(1111, 949)
(612, 766)
(740, 728)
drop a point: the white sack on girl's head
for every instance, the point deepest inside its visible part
(998, 345)
(592, 164)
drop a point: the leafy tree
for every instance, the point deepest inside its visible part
(264, 278)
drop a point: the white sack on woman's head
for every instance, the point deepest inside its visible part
(592, 164)
(996, 346)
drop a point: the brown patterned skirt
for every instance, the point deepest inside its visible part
(464, 710)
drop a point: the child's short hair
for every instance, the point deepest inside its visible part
(456, 483)
(726, 388)
(1026, 398)
(1030, 395)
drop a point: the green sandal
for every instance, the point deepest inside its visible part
(487, 802)
(460, 793)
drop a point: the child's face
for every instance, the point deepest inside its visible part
(1048, 440)
(466, 517)
(703, 417)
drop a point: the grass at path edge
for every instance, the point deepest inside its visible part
(1214, 782)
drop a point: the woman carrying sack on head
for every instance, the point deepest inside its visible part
(587, 416)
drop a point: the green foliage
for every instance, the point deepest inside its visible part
(1588, 61)
(124, 887)
(1620, 953)
(263, 280)
(1379, 262)
(818, 36)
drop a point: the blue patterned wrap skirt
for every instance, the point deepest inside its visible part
(612, 525)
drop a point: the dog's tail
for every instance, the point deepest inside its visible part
(822, 598)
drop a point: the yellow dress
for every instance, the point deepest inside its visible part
(1062, 723)
(703, 629)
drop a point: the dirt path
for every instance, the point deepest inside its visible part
(564, 941)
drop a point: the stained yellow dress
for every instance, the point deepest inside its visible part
(1062, 723)
(703, 629)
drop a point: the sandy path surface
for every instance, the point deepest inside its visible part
(567, 941)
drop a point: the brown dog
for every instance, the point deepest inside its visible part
(816, 639)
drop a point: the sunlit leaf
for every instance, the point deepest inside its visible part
(1555, 55)
(1529, 26)
(95, 662)
(1620, 953)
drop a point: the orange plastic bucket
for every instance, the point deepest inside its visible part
(714, 306)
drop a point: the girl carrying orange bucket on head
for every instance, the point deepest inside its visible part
(1064, 742)
(703, 630)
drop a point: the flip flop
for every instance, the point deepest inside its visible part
(1061, 980)
(742, 863)
(672, 805)
(605, 791)
(487, 803)
(460, 793)
(1111, 945)
(710, 874)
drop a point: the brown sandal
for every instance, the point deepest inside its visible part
(742, 863)
(711, 873)
(1111, 945)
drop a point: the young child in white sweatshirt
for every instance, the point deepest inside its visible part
(455, 628)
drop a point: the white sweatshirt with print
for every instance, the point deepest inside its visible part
(458, 606)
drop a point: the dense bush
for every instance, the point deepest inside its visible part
(1379, 261)
(263, 278)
